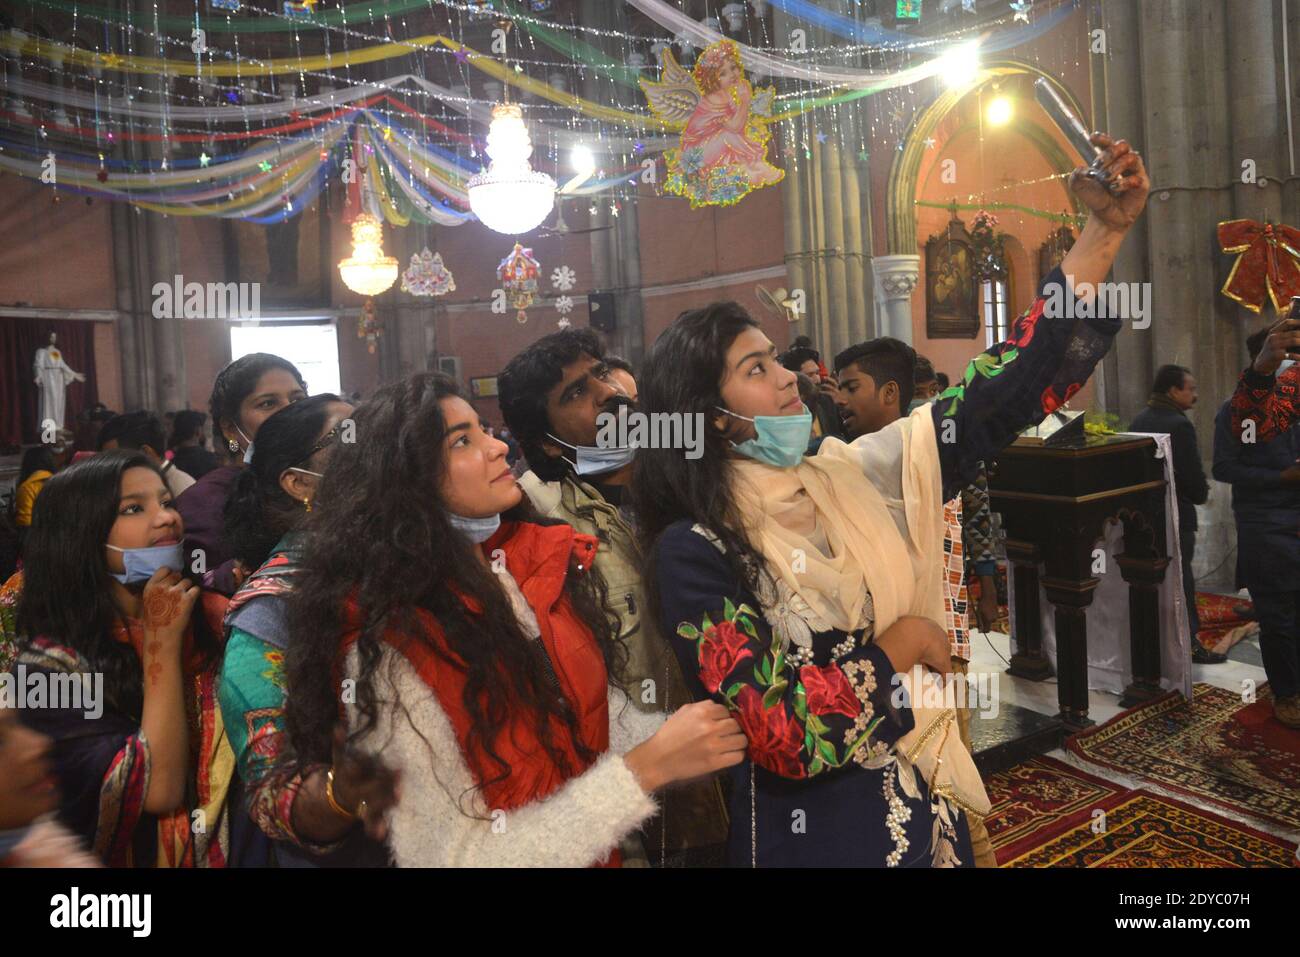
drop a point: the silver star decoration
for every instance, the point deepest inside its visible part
(613, 209)
(929, 142)
(204, 159)
(593, 209)
(1022, 8)
(821, 137)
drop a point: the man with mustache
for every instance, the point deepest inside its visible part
(552, 395)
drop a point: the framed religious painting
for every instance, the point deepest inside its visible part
(951, 303)
(1053, 251)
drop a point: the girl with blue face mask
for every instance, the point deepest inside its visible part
(797, 588)
(103, 594)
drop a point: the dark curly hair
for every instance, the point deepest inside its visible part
(380, 535)
(683, 374)
(258, 511)
(233, 385)
(66, 594)
(523, 385)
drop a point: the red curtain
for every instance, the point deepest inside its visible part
(19, 340)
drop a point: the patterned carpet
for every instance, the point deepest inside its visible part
(1215, 749)
(1149, 830)
(1038, 799)
(1049, 814)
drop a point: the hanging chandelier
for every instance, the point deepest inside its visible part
(368, 272)
(510, 196)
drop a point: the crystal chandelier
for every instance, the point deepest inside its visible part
(368, 271)
(510, 196)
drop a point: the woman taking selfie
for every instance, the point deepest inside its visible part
(270, 500)
(469, 645)
(145, 768)
(798, 588)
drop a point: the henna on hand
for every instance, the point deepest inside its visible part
(161, 608)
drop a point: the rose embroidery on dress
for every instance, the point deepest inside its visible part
(787, 734)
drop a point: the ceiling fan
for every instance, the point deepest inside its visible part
(561, 228)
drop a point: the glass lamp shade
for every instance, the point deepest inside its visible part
(368, 272)
(510, 196)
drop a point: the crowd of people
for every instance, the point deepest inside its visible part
(353, 635)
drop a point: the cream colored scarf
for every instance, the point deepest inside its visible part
(827, 532)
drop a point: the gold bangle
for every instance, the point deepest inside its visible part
(329, 796)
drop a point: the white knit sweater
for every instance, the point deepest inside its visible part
(576, 826)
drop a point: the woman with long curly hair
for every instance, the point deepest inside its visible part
(469, 645)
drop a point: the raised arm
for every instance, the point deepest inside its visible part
(1049, 354)
(1270, 402)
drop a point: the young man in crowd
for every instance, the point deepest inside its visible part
(551, 397)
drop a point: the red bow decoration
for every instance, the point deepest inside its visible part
(1269, 264)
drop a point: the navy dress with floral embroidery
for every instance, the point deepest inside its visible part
(828, 789)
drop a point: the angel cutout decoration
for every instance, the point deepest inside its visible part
(723, 154)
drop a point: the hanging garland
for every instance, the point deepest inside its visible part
(986, 246)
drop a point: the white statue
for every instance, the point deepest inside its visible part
(52, 375)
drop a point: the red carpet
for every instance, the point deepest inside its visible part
(1215, 748)
(1037, 800)
(1049, 814)
(1147, 830)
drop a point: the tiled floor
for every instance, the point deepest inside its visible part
(993, 653)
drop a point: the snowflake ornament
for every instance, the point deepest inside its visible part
(564, 323)
(1022, 8)
(564, 305)
(563, 278)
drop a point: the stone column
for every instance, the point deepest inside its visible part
(896, 277)
(827, 212)
(1129, 363)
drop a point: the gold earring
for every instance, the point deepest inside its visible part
(306, 503)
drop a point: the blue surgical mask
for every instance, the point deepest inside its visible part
(781, 440)
(477, 530)
(248, 452)
(141, 563)
(594, 460)
(1285, 364)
